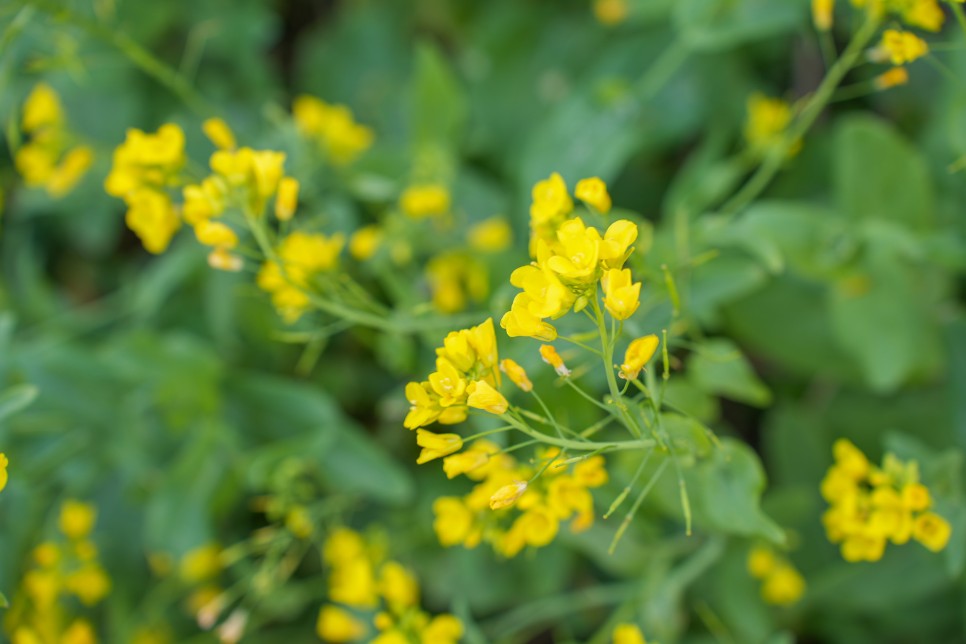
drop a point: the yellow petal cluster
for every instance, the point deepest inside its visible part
(767, 120)
(901, 47)
(300, 257)
(455, 278)
(639, 352)
(65, 571)
(510, 509)
(3, 470)
(923, 14)
(425, 200)
(872, 505)
(781, 583)
(593, 192)
(628, 634)
(333, 128)
(48, 159)
(466, 376)
(375, 598)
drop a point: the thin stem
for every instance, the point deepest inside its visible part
(634, 508)
(581, 446)
(608, 357)
(779, 152)
(629, 487)
(959, 13)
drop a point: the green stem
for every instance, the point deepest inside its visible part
(779, 152)
(581, 445)
(959, 13)
(607, 347)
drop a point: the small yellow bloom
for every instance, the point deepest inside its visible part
(915, 497)
(70, 170)
(491, 235)
(892, 78)
(453, 523)
(90, 584)
(593, 192)
(77, 519)
(398, 586)
(336, 624)
(902, 47)
(621, 296)
(507, 495)
(519, 321)
(219, 133)
(538, 525)
(353, 583)
(42, 109)
(436, 445)
(925, 14)
(425, 200)
(483, 396)
(299, 523)
(822, 13)
(221, 260)
(153, 218)
(850, 459)
(365, 242)
(932, 531)
(761, 562)
(46, 554)
(610, 12)
(442, 629)
(551, 200)
(768, 118)
(343, 545)
(638, 353)
(287, 199)
(216, 234)
(628, 634)
(783, 586)
(468, 461)
(3, 470)
(516, 374)
(80, 631)
(549, 355)
(201, 564)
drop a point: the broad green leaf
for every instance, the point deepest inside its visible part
(714, 25)
(438, 108)
(880, 175)
(719, 367)
(14, 399)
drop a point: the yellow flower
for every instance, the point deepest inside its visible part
(892, 78)
(336, 624)
(902, 47)
(490, 235)
(268, 167)
(768, 118)
(436, 445)
(365, 242)
(220, 259)
(761, 562)
(353, 583)
(70, 170)
(146, 161)
(287, 199)
(520, 322)
(593, 192)
(507, 495)
(628, 634)
(342, 546)
(80, 631)
(550, 200)
(549, 355)
(485, 397)
(453, 521)
(638, 353)
(219, 133)
(471, 462)
(850, 459)
(783, 586)
(932, 531)
(333, 127)
(425, 200)
(398, 586)
(516, 374)
(204, 200)
(538, 525)
(3, 470)
(615, 248)
(915, 497)
(153, 218)
(621, 297)
(299, 523)
(442, 629)
(925, 14)
(76, 519)
(46, 554)
(216, 234)
(857, 547)
(576, 257)
(424, 409)
(822, 13)
(42, 109)
(90, 584)
(201, 564)
(591, 472)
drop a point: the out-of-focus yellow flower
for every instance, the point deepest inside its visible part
(473, 462)
(222, 260)
(628, 634)
(549, 355)
(146, 161)
(300, 257)
(89, 583)
(593, 192)
(491, 235)
(201, 564)
(900, 47)
(516, 374)
(204, 200)
(153, 218)
(77, 519)
(333, 127)
(621, 297)
(42, 110)
(336, 624)
(365, 242)
(507, 495)
(353, 583)
(216, 234)
(436, 445)
(343, 545)
(72, 167)
(442, 629)
(823, 11)
(892, 78)
(783, 586)
(638, 353)
(925, 14)
(610, 12)
(761, 562)
(219, 133)
(453, 522)
(287, 199)
(454, 278)
(398, 586)
(3, 470)
(80, 631)
(768, 118)
(425, 200)
(550, 200)
(932, 531)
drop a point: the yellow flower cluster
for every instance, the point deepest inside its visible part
(333, 127)
(48, 159)
(628, 634)
(768, 118)
(199, 570)
(505, 510)
(145, 166)
(781, 583)
(872, 505)
(900, 47)
(466, 376)
(364, 583)
(425, 200)
(62, 569)
(299, 257)
(924, 14)
(454, 278)
(571, 258)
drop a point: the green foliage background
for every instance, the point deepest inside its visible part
(170, 395)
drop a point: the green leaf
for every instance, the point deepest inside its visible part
(726, 490)
(719, 367)
(713, 25)
(879, 175)
(439, 108)
(16, 398)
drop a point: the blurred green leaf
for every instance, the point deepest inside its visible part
(438, 108)
(719, 367)
(14, 399)
(713, 25)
